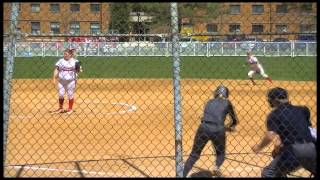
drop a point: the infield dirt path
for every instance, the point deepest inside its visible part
(125, 127)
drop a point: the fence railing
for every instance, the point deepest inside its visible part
(293, 48)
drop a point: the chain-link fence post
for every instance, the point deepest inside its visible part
(176, 86)
(8, 75)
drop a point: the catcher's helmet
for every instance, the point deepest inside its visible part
(221, 90)
(277, 94)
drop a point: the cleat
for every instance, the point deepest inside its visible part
(69, 111)
(58, 111)
(216, 172)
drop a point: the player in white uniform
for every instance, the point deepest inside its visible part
(255, 67)
(66, 74)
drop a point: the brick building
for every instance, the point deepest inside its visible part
(252, 19)
(263, 20)
(61, 18)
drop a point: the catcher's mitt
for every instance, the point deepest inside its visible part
(78, 66)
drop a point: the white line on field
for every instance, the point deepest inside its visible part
(68, 170)
(131, 108)
(237, 169)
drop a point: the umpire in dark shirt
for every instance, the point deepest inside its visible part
(212, 128)
(291, 123)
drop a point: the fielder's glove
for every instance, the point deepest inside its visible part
(78, 66)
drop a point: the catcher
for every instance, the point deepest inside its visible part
(296, 146)
(212, 128)
(255, 67)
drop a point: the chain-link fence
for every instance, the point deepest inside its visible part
(147, 72)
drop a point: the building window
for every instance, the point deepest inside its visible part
(281, 28)
(282, 8)
(257, 28)
(307, 28)
(75, 28)
(35, 28)
(19, 7)
(54, 7)
(95, 28)
(257, 9)
(74, 7)
(306, 8)
(187, 25)
(95, 7)
(234, 9)
(55, 27)
(212, 28)
(234, 28)
(35, 8)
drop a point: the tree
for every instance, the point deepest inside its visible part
(161, 15)
(119, 20)
(194, 12)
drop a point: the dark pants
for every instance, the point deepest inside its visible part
(291, 158)
(203, 135)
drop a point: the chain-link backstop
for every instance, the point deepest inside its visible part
(148, 71)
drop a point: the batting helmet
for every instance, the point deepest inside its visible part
(221, 90)
(278, 95)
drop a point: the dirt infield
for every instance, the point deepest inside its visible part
(125, 127)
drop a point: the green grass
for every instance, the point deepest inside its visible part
(279, 68)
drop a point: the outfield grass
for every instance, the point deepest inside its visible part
(279, 68)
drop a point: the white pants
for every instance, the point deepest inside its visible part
(68, 86)
(260, 71)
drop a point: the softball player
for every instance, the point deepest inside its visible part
(212, 128)
(66, 73)
(255, 67)
(297, 146)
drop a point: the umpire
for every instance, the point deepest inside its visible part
(291, 123)
(212, 128)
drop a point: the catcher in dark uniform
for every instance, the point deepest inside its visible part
(291, 124)
(212, 128)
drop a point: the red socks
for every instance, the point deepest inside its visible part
(61, 103)
(252, 81)
(71, 101)
(270, 80)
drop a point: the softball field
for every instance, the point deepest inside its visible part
(125, 127)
